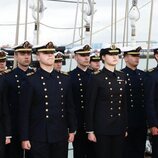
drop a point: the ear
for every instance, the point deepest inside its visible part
(156, 56)
(37, 57)
(75, 57)
(126, 58)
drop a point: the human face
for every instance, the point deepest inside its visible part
(46, 58)
(23, 58)
(110, 60)
(58, 65)
(95, 65)
(2, 64)
(132, 60)
(82, 60)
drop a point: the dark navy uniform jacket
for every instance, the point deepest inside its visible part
(13, 81)
(151, 93)
(46, 108)
(106, 111)
(79, 80)
(5, 124)
(135, 97)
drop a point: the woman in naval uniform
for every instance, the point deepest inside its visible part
(106, 119)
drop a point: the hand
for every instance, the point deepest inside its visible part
(7, 141)
(71, 137)
(92, 137)
(154, 131)
(26, 145)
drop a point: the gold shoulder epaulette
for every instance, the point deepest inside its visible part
(31, 73)
(65, 73)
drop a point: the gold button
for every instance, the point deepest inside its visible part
(62, 116)
(119, 108)
(111, 95)
(131, 100)
(62, 96)
(46, 96)
(81, 90)
(62, 109)
(80, 84)
(79, 79)
(120, 89)
(111, 102)
(62, 103)
(120, 101)
(120, 95)
(45, 89)
(119, 114)
(42, 77)
(57, 76)
(81, 96)
(111, 115)
(82, 107)
(111, 89)
(78, 74)
(59, 82)
(81, 101)
(106, 78)
(111, 108)
(109, 82)
(46, 110)
(44, 83)
(47, 116)
(17, 80)
(46, 103)
(16, 76)
(61, 89)
(131, 106)
(18, 86)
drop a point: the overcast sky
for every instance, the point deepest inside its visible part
(61, 15)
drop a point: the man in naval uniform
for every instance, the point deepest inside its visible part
(3, 66)
(5, 125)
(94, 65)
(151, 91)
(80, 77)
(137, 128)
(14, 80)
(58, 61)
(47, 114)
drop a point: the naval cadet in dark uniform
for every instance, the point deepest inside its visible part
(106, 116)
(47, 115)
(94, 65)
(5, 124)
(58, 61)
(13, 80)
(137, 126)
(3, 62)
(80, 77)
(151, 101)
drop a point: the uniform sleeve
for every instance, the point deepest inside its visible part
(90, 108)
(25, 101)
(71, 115)
(6, 112)
(150, 100)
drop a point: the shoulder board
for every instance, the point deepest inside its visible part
(150, 70)
(7, 71)
(120, 71)
(65, 73)
(29, 74)
(97, 72)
